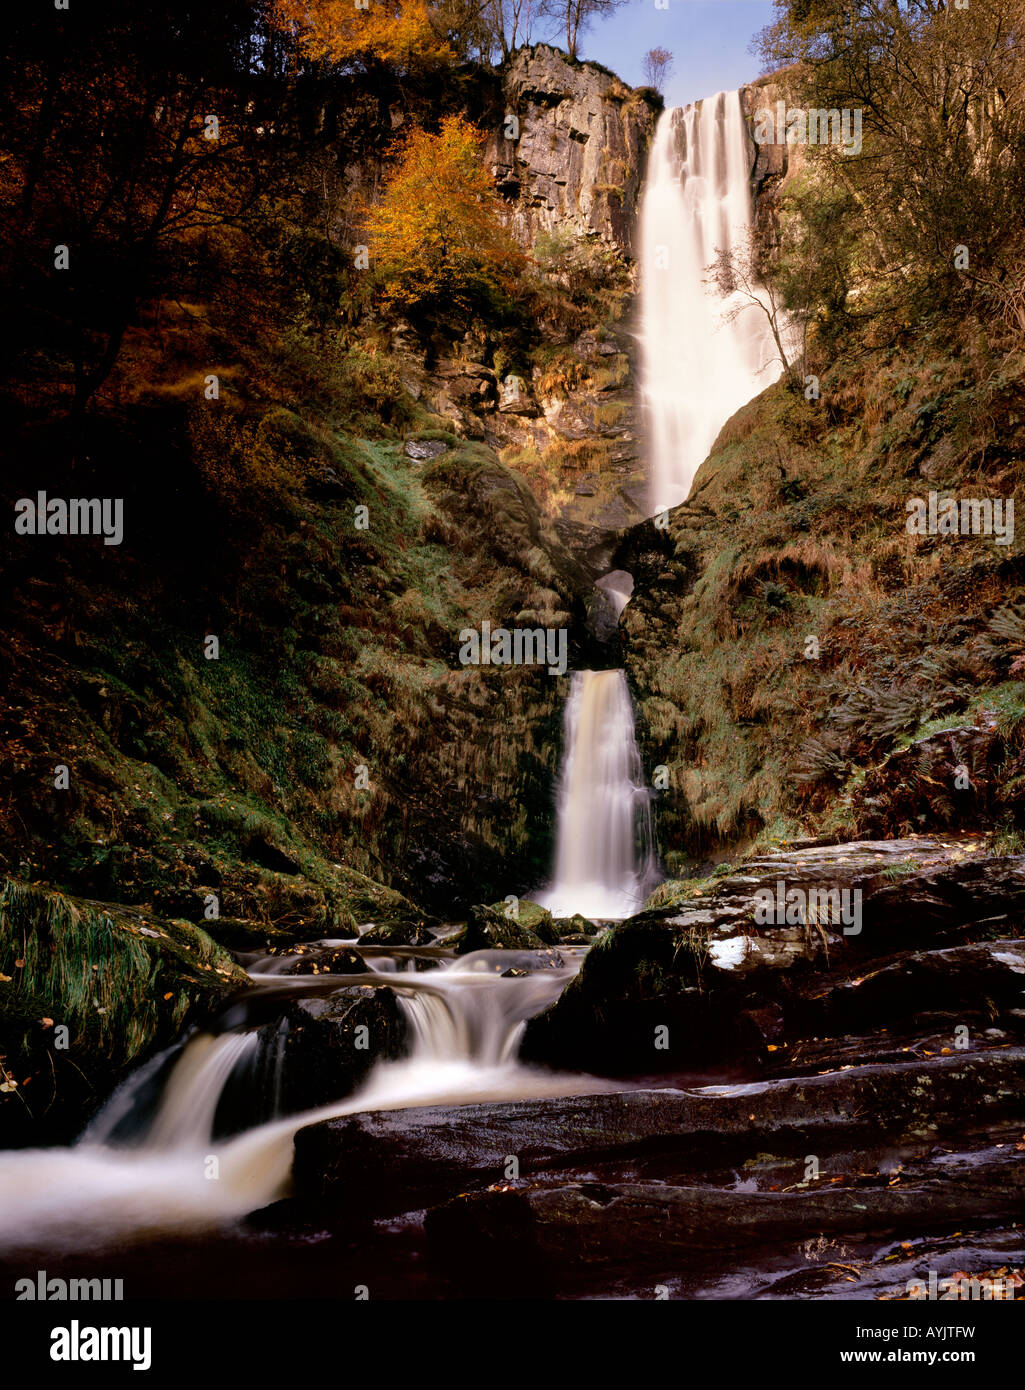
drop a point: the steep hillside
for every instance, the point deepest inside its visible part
(803, 664)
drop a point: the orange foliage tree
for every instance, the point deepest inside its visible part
(398, 33)
(436, 238)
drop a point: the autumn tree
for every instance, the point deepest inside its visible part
(656, 65)
(128, 132)
(436, 238)
(508, 22)
(394, 33)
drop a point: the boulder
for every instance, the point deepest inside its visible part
(488, 929)
(420, 449)
(938, 931)
(412, 933)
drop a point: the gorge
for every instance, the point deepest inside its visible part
(357, 952)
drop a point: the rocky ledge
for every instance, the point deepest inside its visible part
(859, 1011)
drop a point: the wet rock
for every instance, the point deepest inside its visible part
(398, 934)
(649, 1222)
(400, 1160)
(327, 960)
(576, 930)
(332, 1042)
(990, 977)
(681, 983)
(489, 930)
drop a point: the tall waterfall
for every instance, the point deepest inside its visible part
(698, 366)
(603, 853)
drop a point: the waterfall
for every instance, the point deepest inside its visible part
(603, 853)
(466, 1019)
(703, 357)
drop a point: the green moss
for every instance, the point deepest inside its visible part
(118, 979)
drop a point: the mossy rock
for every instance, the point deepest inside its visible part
(120, 980)
(242, 934)
(533, 917)
(414, 933)
(490, 930)
(575, 926)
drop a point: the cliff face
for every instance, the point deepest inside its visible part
(579, 161)
(772, 165)
(572, 180)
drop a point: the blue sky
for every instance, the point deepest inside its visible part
(708, 39)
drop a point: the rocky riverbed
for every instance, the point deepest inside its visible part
(867, 1124)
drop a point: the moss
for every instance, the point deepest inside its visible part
(121, 981)
(795, 529)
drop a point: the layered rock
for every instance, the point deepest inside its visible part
(580, 157)
(879, 946)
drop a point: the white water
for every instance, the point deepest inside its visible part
(617, 586)
(466, 1022)
(698, 368)
(603, 864)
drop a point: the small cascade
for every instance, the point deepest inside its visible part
(466, 1019)
(604, 853)
(186, 1114)
(703, 357)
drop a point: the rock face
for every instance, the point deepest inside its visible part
(772, 163)
(884, 944)
(580, 157)
(566, 412)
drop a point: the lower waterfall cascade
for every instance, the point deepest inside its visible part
(604, 844)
